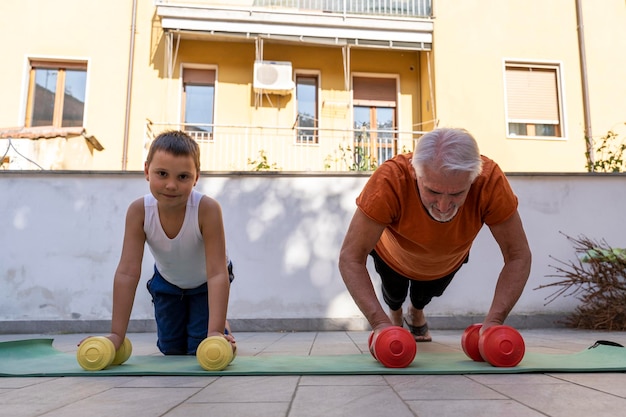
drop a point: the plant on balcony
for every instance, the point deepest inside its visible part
(363, 161)
(598, 279)
(262, 164)
(357, 160)
(608, 154)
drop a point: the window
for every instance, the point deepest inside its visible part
(56, 94)
(198, 102)
(533, 100)
(306, 98)
(374, 121)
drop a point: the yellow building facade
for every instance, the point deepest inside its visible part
(308, 85)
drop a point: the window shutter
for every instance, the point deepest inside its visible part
(532, 94)
(59, 65)
(372, 91)
(198, 76)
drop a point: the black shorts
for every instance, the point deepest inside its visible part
(395, 286)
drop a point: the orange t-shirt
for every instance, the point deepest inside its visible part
(414, 244)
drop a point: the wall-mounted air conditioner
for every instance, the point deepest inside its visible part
(273, 77)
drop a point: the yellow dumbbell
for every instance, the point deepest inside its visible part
(123, 353)
(215, 353)
(97, 352)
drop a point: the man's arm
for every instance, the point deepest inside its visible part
(512, 240)
(362, 236)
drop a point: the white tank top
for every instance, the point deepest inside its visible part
(181, 260)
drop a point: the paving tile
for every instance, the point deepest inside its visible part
(290, 344)
(26, 410)
(472, 408)
(247, 389)
(22, 382)
(153, 402)
(60, 391)
(570, 340)
(565, 400)
(334, 343)
(337, 401)
(440, 387)
(610, 383)
(342, 380)
(168, 381)
(515, 379)
(436, 347)
(360, 340)
(275, 409)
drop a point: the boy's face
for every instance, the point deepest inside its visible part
(171, 178)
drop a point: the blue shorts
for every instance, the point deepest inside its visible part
(182, 315)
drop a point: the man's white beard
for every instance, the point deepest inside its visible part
(440, 217)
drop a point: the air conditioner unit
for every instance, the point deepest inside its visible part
(273, 77)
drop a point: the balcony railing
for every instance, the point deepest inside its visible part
(408, 8)
(402, 8)
(256, 148)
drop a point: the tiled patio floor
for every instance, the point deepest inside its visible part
(510, 395)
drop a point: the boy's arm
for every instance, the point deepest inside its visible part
(212, 229)
(128, 272)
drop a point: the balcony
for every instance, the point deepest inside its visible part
(393, 24)
(262, 148)
(405, 8)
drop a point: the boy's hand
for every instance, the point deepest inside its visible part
(115, 339)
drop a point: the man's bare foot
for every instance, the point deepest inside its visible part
(396, 317)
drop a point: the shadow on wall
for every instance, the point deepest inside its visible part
(284, 237)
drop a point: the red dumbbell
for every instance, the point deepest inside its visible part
(500, 346)
(393, 346)
(469, 342)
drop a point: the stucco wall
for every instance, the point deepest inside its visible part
(62, 233)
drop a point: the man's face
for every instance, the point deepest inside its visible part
(443, 194)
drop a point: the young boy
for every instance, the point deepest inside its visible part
(184, 231)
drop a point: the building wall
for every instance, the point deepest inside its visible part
(473, 38)
(237, 103)
(62, 237)
(605, 37)
(70, 29)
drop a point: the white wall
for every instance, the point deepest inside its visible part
(61, 239)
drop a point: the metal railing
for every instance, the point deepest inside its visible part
(263, 148)
(407, 8)
(401, 8)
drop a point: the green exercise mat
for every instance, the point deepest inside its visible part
(37, 357)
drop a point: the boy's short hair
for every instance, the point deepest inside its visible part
(177, 143)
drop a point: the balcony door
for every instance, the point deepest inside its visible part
(374, 116)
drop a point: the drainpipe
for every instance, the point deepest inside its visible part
(583, 74)
(129, 84)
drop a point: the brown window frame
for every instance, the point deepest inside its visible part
(59, 98)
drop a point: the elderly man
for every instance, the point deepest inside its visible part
(418, 216)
